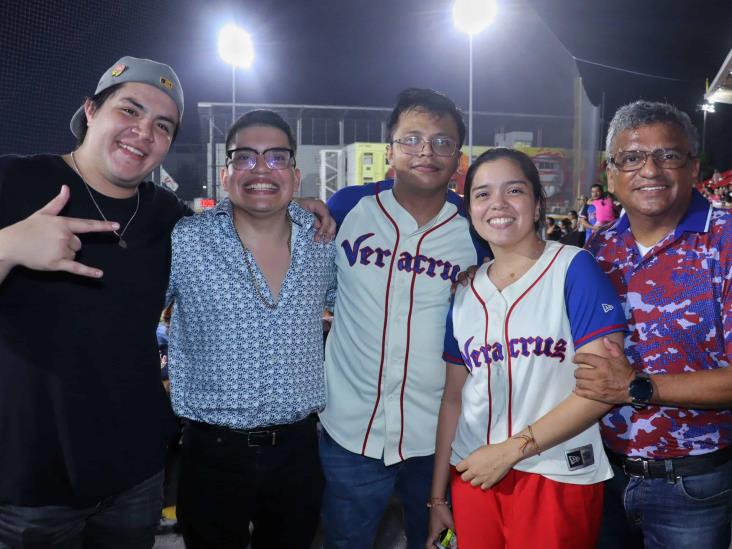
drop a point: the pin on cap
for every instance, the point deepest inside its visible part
(118, 69)
(134, 69)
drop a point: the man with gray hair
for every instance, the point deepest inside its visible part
(670, 259)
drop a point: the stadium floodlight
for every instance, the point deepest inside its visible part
(707, 108)
(237, 49)
(472, 17)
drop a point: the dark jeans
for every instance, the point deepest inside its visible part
(172, 471)
(357, 492)
(125, 521)
(691, 513)
(225, 484)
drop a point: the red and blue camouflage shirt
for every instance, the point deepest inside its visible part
(679, 309)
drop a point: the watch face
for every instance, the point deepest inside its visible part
(641, 390)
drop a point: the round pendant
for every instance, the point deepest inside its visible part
(122, 243)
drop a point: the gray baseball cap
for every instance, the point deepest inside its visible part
(134, 69)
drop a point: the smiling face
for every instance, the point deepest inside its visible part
(503, 209)
(424, 172)
(261, 191)
(128, 137)
(653, 193)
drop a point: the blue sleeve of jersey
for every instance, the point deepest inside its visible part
(592, 305)
(451, 350)
(482, 249)
(344, 200)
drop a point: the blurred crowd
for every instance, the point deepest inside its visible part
(718, 189)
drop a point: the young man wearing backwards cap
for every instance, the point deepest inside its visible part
(84, 420)
(83, 417)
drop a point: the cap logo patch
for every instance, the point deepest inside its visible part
(167, 83)
(119, 69)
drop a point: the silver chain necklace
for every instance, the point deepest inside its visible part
(121, 242)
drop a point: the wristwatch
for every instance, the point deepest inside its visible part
(640, 391)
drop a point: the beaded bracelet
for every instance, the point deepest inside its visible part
(434, 502)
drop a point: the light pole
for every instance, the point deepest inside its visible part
(471, 17)
(706, 107)
(236, 49)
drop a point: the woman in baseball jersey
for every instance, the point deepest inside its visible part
(521, 451)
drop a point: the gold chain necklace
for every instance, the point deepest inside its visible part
(250, 270)
(121, 242)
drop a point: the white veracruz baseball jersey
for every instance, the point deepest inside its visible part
(518, 346)
(383, 359)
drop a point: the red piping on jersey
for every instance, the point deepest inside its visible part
(488, 366)
(606, 329)
(383, 332)
(409, 332)
(505, 335)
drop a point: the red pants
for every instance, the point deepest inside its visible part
(526, 510)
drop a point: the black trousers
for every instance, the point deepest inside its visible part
(229, 479)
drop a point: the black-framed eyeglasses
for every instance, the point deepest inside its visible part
(245, 158)
(669, 159)
(414, 145)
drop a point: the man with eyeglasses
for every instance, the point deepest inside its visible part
(85, 252)
(670, 259)
(401, 244)
(246, 349)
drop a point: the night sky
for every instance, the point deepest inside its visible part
(358, 52)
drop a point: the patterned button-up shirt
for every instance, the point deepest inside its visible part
(679, 309)
(233, 361)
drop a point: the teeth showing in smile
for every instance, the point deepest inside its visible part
(660, 188)
(133, 150)
(500, 221)
(261, 187)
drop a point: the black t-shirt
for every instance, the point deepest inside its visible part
(83, 414)
(574, 238)
(554, 234)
